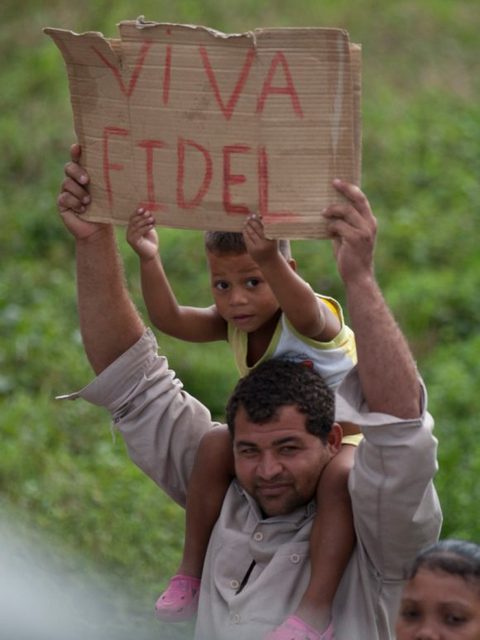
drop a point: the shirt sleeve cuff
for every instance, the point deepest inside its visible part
(111, 388)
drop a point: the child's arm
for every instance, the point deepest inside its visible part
(186, 323)
(307, 314)
(332, 540)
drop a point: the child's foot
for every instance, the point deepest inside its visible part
(295, 628)
(179, 601)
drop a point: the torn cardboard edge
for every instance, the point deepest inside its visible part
(203, 127)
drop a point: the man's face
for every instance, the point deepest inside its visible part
(279, 462)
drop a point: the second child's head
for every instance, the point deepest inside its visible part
(241, 294)
(442, 598)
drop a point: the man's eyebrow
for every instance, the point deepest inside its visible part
(286, 440)
(276, 443)
(245, 443)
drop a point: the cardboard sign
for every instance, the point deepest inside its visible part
(203, 128)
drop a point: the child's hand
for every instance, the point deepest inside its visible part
(141, 234)
(260, 248)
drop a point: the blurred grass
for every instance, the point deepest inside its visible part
(60, 468)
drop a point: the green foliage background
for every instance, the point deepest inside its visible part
(60, 471)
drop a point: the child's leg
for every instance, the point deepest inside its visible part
(331, 541)
(211, 474)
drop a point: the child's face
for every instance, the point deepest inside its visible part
(439, 605)
(241, 294)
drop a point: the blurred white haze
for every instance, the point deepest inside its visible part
(45, 595)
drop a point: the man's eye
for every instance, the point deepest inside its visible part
(221, 285)
(288, 450)
(247, 453)
(252, 283)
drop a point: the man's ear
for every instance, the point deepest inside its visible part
(293, 263)
(334, 441)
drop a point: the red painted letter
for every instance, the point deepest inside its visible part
(288, 89)
(167, 72)
(207, 178)
(230, 179)
(149, 146)
(263, 186)
(107, 165)
(242, 78)
(127, 91)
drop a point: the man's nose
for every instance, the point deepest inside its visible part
(269, 466)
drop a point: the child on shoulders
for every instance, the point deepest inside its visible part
(265, 310)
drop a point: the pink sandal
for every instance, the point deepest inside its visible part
(295, 628)
(179, 601)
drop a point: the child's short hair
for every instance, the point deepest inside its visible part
(224, 242)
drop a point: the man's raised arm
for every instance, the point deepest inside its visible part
(387, 370)
(109, 322)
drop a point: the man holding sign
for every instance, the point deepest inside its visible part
(257, 565)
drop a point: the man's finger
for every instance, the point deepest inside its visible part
(76, 172)
(354, 195)
(66, 201)
(345, 212)
(77, 190)
(339, 228)
(75, 152)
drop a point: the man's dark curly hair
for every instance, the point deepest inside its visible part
(278, 383)
(225, 242)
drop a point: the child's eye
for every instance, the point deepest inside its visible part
(454, 619)
(252, 283)
(220, 285)
(409, 613)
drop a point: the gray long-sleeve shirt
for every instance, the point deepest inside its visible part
(257, 568)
